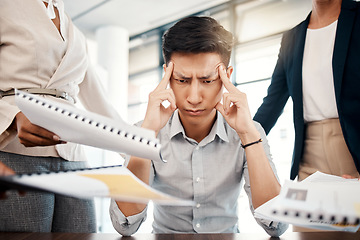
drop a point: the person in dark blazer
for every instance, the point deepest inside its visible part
(319, 68)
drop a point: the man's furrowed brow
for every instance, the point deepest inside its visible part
(180, 75)
(208, 76)
(205, 76)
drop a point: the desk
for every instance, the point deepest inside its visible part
(237, 236)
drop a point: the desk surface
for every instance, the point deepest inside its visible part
(238, 236)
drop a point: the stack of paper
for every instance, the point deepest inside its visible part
(321, 201)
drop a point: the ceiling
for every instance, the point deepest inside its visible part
(137, 16)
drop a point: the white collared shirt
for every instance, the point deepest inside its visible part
(210, 173)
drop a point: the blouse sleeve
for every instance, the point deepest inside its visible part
(7, 115)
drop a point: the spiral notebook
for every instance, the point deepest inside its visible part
(115, 182)
(321, 201)
(79, 126)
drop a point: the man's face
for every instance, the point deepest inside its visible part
(197, 86)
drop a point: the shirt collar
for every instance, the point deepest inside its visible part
(59, 4)
(218, 128)
(175, 125)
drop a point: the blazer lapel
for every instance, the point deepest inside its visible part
(342, 38)
(297, 67)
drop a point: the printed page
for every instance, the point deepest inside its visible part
(323, 202)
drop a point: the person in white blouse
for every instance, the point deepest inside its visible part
(41, 51)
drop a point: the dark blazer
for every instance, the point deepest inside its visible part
(287, 82)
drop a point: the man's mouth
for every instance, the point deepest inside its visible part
(194, 112)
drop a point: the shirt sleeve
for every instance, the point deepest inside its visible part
(274, 229)
(126, 226)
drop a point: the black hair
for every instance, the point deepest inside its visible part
(197, 35)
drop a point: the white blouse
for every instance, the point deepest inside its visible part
(59, 5)
(34, 55)
(318, 83)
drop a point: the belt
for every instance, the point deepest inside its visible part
(41, 91)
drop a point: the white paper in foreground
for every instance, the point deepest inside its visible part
(107, 182)
(75, 125)
(321, 201)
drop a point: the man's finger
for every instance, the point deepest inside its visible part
(165, 81)
(226, 81)
(220, 108)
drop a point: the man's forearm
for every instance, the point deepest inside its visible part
(141, 169)
(263, 182)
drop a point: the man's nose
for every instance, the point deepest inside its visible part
(194, 94)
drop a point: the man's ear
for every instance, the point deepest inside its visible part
(229, 71)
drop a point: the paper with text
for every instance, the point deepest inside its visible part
(321, 201)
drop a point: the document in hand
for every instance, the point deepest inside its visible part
(321, 201)
(75, 125)
(105, 182)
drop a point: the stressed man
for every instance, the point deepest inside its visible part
(207, 136)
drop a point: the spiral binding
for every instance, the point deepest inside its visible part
(320, 218)
(64, 171)
(91, 122)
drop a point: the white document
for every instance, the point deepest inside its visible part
(321, 201)
(75, 125)
(105, 182)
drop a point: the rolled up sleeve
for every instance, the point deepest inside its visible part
(126, 226)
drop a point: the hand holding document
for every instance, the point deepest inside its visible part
(321, 201)
(105, 182)
(75, 125)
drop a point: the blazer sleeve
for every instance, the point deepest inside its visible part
(277, 94)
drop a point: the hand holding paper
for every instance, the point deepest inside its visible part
(75, 125)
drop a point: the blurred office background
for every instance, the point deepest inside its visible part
(124, 42)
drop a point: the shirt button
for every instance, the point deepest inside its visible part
(198, 225)
(198, 179)
(198, 205)
(197, 148)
